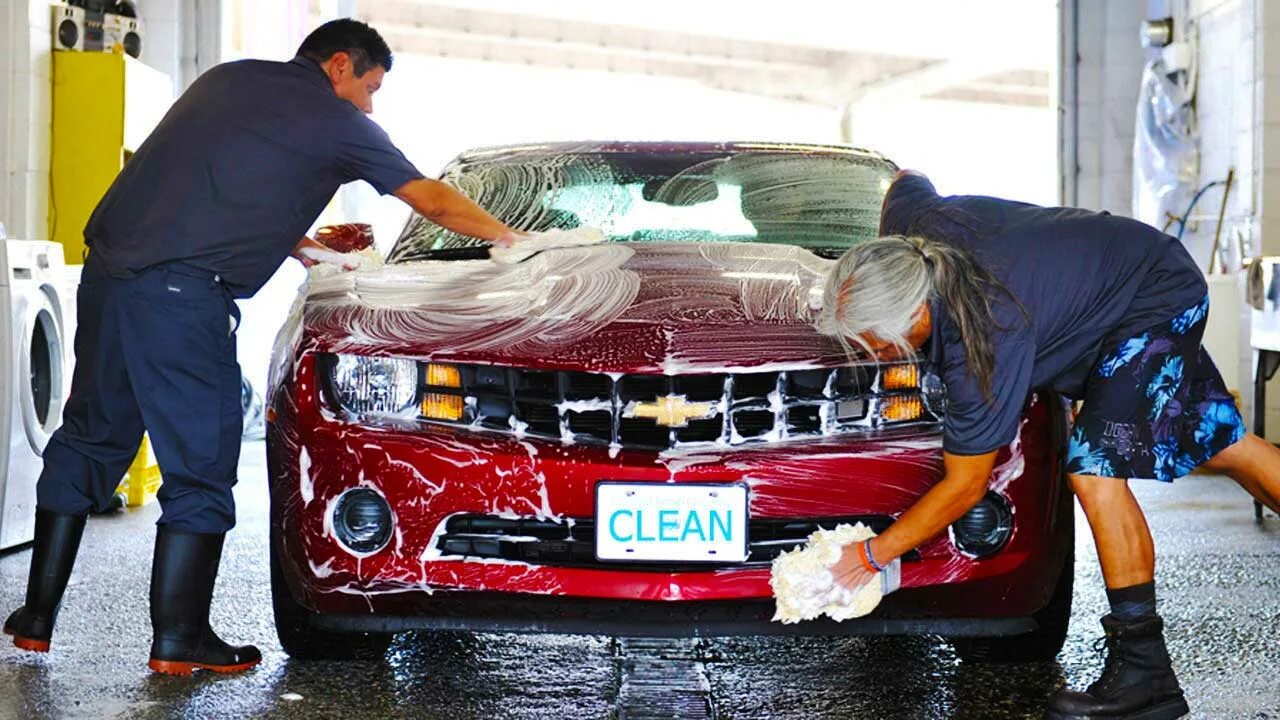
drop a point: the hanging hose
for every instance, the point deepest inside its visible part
(1182, 219)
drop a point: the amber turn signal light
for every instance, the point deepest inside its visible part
(900, 377)
(443, 376)
(439, 406)
(902, 408)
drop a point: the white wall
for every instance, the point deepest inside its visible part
(25, 93)
(1102, 93)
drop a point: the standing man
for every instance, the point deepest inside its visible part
(206, 210)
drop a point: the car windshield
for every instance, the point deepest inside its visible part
(821, 200)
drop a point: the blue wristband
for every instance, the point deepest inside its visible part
(866, 550)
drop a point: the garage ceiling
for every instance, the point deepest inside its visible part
(812, 53)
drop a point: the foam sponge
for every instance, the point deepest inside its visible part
(805, 588)
(549, 240)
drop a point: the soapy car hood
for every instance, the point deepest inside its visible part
(649, 307)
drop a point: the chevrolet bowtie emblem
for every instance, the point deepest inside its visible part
(672, 410)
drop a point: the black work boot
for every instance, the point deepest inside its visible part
(182, 575)
(1137, 683)
(53, 555)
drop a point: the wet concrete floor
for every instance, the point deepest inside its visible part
(1219, 580)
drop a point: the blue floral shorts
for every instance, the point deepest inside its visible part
(1155, 406)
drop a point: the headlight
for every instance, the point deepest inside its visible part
(376, 385)
(362, 520)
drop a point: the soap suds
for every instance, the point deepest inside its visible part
(548, 240)
(805, 587)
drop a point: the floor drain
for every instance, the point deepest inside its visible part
(663, 678)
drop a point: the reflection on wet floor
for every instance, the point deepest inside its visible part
(1219, 585)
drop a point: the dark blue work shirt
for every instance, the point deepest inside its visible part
(237, 171)
(1086, 280)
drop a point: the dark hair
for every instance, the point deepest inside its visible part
(365, 46)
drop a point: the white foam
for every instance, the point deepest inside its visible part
(805, 588)
(305, 487)
(548, 240)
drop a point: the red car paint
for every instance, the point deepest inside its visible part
(685, 317)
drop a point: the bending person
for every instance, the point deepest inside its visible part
(1009, 298)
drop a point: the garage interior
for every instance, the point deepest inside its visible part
(1039, 101)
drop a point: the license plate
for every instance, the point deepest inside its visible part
(683, 522)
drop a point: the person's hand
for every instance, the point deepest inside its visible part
(313, 252)
(297, 254)
(510, 238)
(849, 571)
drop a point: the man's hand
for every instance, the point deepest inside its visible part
(509, 239)
(297, 252)
(311, 253)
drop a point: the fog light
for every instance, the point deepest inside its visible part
(362, 521)
(985, 528)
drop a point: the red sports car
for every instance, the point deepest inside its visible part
(620, 437)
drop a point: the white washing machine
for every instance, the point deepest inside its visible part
(34, 373)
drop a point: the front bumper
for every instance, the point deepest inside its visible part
(427, 477)
(899, 614)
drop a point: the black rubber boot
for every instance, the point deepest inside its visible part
(182, 575)
(52, 557)
(1137, 683)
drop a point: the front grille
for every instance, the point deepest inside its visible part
(571, 542)
(736, 408)
(661, 412)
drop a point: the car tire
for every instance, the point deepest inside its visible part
(299, 636)
(1041, 645)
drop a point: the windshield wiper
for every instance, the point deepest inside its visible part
(475, 252)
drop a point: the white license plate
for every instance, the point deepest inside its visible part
(683, 522)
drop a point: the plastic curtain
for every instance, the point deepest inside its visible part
(1165, 154)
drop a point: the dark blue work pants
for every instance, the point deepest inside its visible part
(154, 352)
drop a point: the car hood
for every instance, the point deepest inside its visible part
(653, 307)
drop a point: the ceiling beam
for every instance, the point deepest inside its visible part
(793, 72)
(829, 77)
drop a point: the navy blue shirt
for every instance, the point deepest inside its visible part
(1086, 280)
(237, 171)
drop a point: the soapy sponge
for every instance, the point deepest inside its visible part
(549, 240)
(805, 587)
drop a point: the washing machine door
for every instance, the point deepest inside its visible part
(40, 368)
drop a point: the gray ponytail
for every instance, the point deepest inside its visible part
(877, 288)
